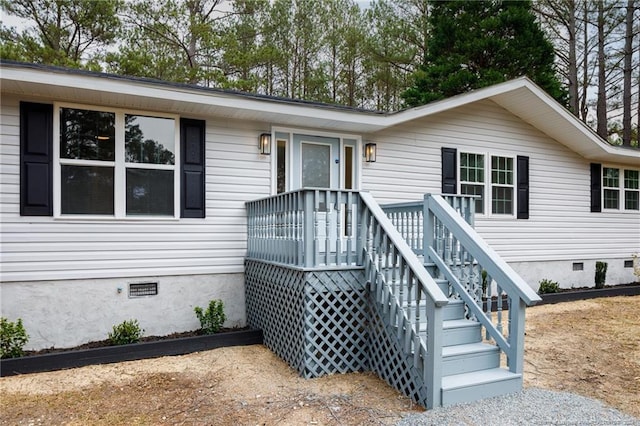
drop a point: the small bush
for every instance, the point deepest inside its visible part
(212, 319)
(601, 274)
(13, 337)
(548, 286)
(126, 332)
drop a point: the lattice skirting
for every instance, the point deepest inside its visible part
(390, 363)
(315, 320)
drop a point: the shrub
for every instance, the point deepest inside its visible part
(212, 319)
(126, 332)
(13, 337)
(548, 286)
(484, 275)
(601, 274)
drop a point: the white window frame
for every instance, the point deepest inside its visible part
(621, 188)
(119, 164)
(488, 184)
(483, 183)
(491, 184)
(624, 190)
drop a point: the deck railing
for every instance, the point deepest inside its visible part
(320, 228)
(306, 228)
(314, 228)
(479, 276)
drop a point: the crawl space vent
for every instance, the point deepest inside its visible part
(143, 289)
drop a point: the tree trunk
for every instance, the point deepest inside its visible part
(601, 106)
(573, 65)
(584, 108)
(626, 91)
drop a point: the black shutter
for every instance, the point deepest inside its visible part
(449, 171)
(36, 148)
(192, 168)
(596, 187)
(523, 187)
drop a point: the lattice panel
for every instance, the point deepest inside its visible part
(275, 304)
(388, 361)
(335, 323)
(315, 321)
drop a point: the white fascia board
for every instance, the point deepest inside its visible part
(455, 101)
(570, 131)
(261, 109)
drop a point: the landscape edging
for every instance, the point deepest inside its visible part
(110, 354)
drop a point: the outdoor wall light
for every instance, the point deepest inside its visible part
(370, 153)
(264, 144)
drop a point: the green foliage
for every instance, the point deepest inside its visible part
(67, 32)
(548, 286)
(212, 319)
(476, 44)
(484, 275)
(601, 274)
(13, 337)
(126, 332)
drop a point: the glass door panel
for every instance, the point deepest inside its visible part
(316, 165)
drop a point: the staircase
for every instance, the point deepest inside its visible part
(476, 353)
(470, 367)
(339, 283)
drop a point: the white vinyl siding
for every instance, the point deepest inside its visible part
(44, 248)
(560, 226)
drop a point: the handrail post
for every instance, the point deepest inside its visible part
(516, 335)
(308, 229)
(433, 367)
(429, 228)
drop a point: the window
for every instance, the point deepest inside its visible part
(492, 181)
(620, 189)
(472, 177)
(115, 163)
(611, 188)
(502, 185)
(632, 190)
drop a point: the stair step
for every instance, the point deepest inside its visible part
(454, 310)
(444, 285)
(477, 385)
(461, 359)
(460, 332)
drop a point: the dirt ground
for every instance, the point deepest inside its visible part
(588, 347)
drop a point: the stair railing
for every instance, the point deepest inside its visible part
(406, 295)
(477, 274)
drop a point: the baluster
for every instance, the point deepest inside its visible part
(489, 310)
(288, 217)
(349, 227)
(299, 236)
(327, 227)
(338, 209)
(499, 309)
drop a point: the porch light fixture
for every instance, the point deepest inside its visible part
(264, 144)
(370, 153)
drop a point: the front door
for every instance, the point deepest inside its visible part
(318, 162)
(315, 161)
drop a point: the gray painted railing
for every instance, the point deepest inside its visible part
(477, 273)
(306, 228)
(314, 228)
(407, 295)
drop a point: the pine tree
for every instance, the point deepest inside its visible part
(477, 44)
